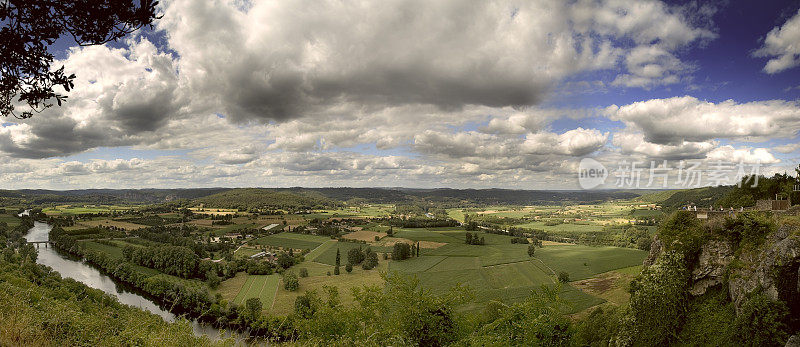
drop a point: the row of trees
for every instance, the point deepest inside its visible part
(403, 251)
(474, 239)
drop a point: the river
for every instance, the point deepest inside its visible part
(68, 266)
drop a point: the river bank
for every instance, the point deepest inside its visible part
(72, 267)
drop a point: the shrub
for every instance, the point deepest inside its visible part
(303, 272)
(401, 251)
(658, 301)
(355, 256)
(684, 233)
(749, 230)
(253, 308)
(290, 281)
(348, 268)
(762, 322)
(563, 277)
(371, 260)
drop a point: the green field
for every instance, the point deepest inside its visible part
(292, 240)
(582, 227)
(316, 252)
(582, 262)
(115, 252)
(9, 219)
(72, 209)
(431, 235)
(647, 213)
(259, 286)
(500, 270)
(456, 213)
(328, 255)
(233, 228)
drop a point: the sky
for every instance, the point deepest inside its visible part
(422, 94)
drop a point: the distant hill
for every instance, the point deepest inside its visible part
(459, 197)
(702, 197)
(105, 196)
(658, 196)
(247, 198)
(298, 197)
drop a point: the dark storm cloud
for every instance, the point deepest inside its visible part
(285, 60)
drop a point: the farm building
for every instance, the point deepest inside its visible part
(269, 227)
(258, 255)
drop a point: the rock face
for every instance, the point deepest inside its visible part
(656, 247)
(773, 268)
(711, 266)
(793, 341)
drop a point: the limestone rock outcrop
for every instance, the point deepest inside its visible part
(711, 266)
(773, 268)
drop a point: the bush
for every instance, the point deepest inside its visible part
(348, 268)
(598, 328)
(563, 277)
(474, 239)
(762, 322)
(522, 240)
(303, 272)
(531, 250)
(371, 260)
(401, 251)
(684, 233)
(290, 281)
(749, 230)
(658, 301)
(355, 256)
(253, 308)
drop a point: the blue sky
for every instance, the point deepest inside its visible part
(358, 94)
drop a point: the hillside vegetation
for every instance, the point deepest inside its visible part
(257, 198)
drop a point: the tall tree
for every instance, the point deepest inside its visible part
(253, 308)
(31, 26)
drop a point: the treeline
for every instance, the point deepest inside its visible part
(152, 220)
(422, 222)
(626, 235)
(768, 188)
(174, 260)
(257, 198)
(180, 236)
